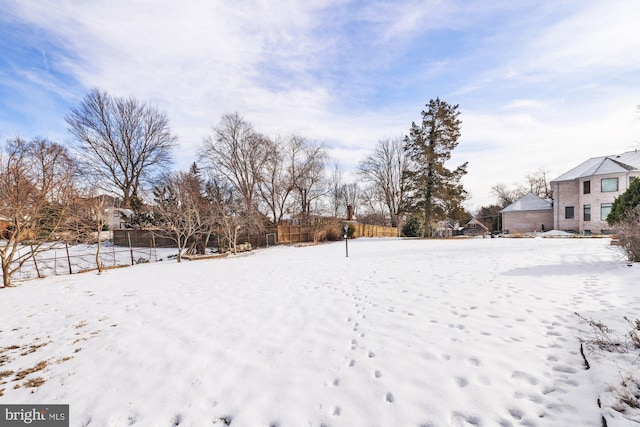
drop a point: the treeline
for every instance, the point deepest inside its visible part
(241, 180)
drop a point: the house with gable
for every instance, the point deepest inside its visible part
(475, 228)
(528, 214)
(582, 197)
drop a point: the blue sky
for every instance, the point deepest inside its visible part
(540, 84)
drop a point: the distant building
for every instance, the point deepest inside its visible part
(475, 228)
(446, 228)
(115, 217)
(584, 195)
(528, 214)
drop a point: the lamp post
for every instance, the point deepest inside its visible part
(346, 240)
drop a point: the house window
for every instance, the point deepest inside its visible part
(631, 178)
(568, 212)
(586, 187)
(586, 212)
(608, 185)
(605, 208)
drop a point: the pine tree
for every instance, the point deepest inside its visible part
(435, 190)
(624, 205)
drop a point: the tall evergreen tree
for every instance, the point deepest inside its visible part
(623, 206)
(434, 189)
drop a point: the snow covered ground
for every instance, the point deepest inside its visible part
(402, 333)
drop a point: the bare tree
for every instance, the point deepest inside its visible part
(227, 209)
(238, 154)
(373, 206)
(276, 184)
(336, 190)
(124, 143)
(178, 211)
(539, 184)
(506, 195)
(307, 166)
(385, 169)
(536, 182)
(36, 187)
(88, 218)
(351, 196)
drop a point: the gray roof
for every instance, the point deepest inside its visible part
(605, 165)
(529, 202)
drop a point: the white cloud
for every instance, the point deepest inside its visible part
(600, 38)
(505, 145)
(534, 89)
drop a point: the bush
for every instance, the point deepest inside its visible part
(327, 231)
(624, 205)
(351, 230)
(628, 234)
(413, 227)
(333, 234)
(629, 241)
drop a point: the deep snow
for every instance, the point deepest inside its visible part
(401, 333)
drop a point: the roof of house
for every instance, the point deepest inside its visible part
(476, 222)
(529, 202)
(605, 165)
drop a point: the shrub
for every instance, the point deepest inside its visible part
(333, 234)
(351, 230)
(625, 204)
(413, 227)
(628, 234)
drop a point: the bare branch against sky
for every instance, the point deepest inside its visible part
(540, 84)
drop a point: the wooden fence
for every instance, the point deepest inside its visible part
(367, 230)
(282, 234)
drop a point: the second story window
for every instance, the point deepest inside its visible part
(608, 185)
(586, 187)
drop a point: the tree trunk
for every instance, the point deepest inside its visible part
(98, 263)
(180, 247)
(6, 278)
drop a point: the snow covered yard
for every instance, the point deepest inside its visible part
(402, 333)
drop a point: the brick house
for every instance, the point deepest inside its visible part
(583, 196)
(528, 214)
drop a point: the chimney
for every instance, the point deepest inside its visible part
(349, 212)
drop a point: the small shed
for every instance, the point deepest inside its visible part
(528, 214)
(475, 228)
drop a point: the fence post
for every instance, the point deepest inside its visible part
(66, 246)
(130, 248)
(155, 251)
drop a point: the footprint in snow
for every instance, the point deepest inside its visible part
(461, 382)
